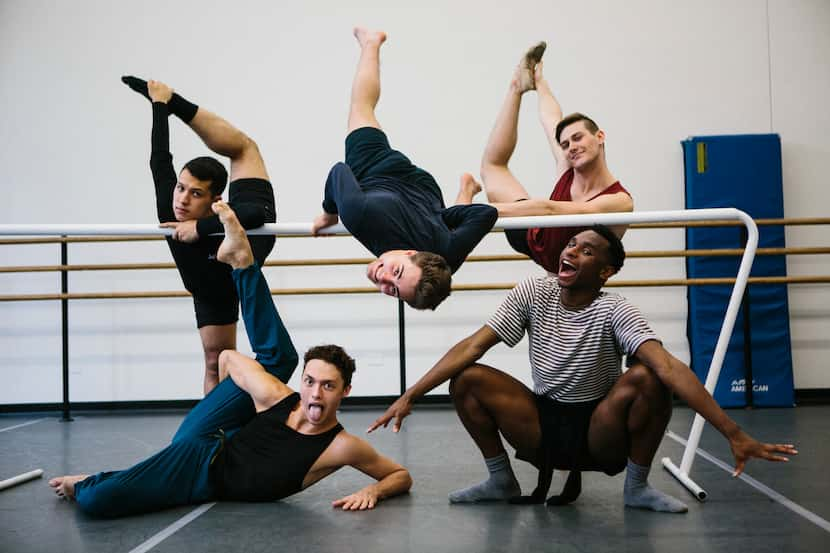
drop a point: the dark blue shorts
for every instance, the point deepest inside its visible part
(368, 155)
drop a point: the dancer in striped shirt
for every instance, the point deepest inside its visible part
(584, 413)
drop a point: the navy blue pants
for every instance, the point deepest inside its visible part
(179, 473)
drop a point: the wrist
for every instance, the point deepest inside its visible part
(732, 431)
(410, 395)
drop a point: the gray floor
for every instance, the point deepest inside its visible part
(441, 458)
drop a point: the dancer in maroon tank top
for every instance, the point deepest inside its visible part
(584, 183)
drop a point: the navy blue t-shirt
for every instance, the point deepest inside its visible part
(389, 213)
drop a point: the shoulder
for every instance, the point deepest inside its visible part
(533, 291)
(617, 188)
(348, 449)
(618, 306)
(613, 301)
(565, 178)
(539, 285)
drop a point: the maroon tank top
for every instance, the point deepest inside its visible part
(546, 244)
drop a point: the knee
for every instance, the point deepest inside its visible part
(647, 384)
(212, 354)
(245, 144)
(487, 167)
(465, 381)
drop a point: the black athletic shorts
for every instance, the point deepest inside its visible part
(260, 192)
(565, 432)
(517, 238)
(216, 311)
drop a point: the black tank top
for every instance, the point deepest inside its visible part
(266, 460)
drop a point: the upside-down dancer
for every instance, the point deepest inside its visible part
(391, 206)
(583, 413)
(251, 438)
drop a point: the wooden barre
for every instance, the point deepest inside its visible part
(361, 261)
(457, 287)
(668, 282)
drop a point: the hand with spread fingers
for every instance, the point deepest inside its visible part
(358, 501)
(745, 447)
(398, 411)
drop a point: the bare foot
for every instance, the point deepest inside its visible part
(324, 220)
(369, 38)
(524, 76)
(235, 250)
(64, 486)
(467, 190)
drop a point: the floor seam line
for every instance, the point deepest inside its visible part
(21, 425)
(172, 529)
(760, 486)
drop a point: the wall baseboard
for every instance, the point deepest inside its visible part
(806, 396)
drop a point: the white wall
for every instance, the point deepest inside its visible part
(75, 143)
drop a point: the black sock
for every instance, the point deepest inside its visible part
(139, 85)
(177, 105)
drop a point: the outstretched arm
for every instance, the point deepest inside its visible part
(682, 381)
(619, 202)
(392, 478)
(462, 355)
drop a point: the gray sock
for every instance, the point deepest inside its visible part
(501, 485)
(639, 494)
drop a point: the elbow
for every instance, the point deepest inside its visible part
(406, 481)
(225, 364)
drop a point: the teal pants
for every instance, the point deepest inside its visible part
(179, 474)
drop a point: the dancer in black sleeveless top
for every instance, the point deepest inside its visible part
(252, 438)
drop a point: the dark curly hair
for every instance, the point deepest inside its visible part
(616, 251)
(335, 355)
(435, 283)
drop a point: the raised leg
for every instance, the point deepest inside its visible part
(217, 134)
(499, 182)
(225, 139)
(267, 334)
(366, 84)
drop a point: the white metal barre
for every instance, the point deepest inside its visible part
(733, 307)
(304, 229)
(20, 478)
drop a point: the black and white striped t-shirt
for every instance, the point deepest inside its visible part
(575, 355)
